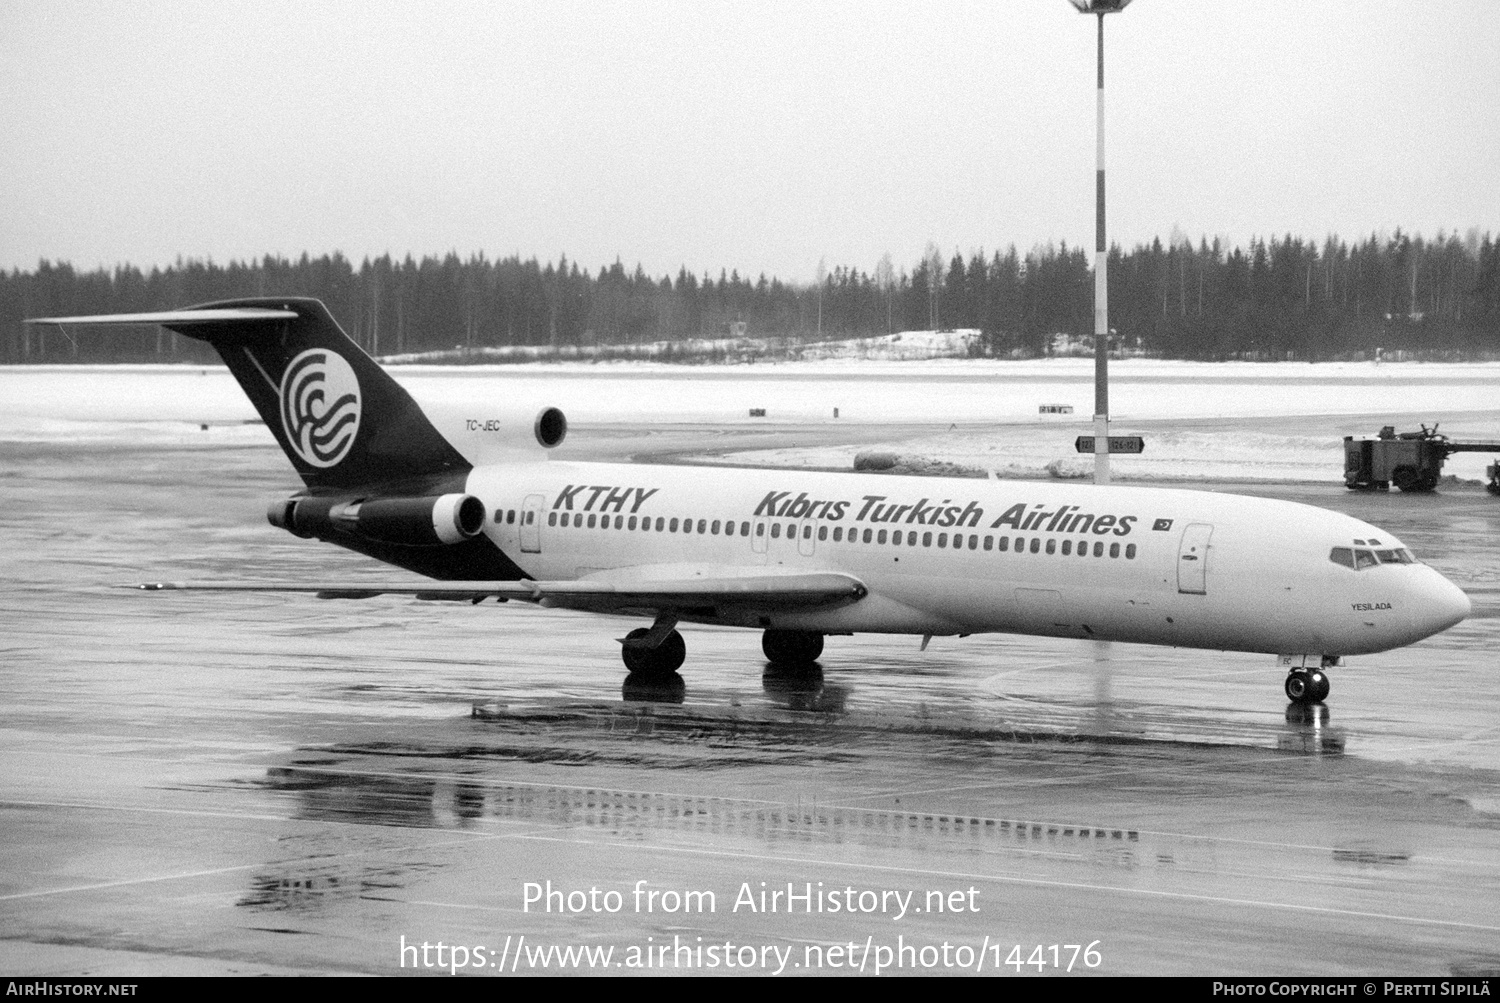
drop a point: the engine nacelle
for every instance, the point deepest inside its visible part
(550, 427)
(487, 431)
(429, 521)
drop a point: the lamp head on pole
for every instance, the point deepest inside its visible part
(1100, 6)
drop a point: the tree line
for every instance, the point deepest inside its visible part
(1286, 298)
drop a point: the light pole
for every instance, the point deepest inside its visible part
(1101, 262)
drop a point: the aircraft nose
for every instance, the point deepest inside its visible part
(1439, 604)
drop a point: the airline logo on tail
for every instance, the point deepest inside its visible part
(320, 406)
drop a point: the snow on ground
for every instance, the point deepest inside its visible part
(1029, 452)
(1238, 420)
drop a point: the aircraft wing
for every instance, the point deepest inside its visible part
(632, 594)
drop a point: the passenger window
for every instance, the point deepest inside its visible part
(744, 529)
(631, 523)
(1114, 550)
(911, 538)
(973, 543)
(1067, 547)
(838, 534)
(760, 529)
(926, 539)
(1051, 546)
(660, 522)
(880, 537)
(807, 532)
(552, 518)
(1098, 550)
(1083, 548)
(672, 526)
(822, 532)
(1036, 544)
(1004, 544)
(1364, 559)
(942, 539)
(1020, 545)
(867, 536)
(702, 525)
(714, 529)
(775, 530)
(592, 520)
(1130, 552)
(989, 543)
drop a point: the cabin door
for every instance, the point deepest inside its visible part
(759, 540)
(531, 524)
(807, 540)
(1192, 559)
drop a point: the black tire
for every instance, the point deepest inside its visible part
(1319, 687)
(791, 647)
(663, 660)
(1298, 687)
(1406, 478)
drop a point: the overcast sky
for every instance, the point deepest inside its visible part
(758, 136)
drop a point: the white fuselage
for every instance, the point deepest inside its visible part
(1149, 565)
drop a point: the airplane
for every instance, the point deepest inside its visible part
(472, 502)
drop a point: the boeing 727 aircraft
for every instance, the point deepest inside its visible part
(472, 503)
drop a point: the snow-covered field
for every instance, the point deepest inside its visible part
(1275, 421)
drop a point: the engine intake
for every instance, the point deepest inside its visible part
(551, 427)
(430, 521)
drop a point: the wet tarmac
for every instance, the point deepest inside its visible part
(269, 784)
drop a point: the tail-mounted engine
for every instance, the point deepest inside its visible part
(413, 522)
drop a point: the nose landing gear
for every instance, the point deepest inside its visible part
(1307, 686)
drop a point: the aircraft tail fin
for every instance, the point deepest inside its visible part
(341, 419)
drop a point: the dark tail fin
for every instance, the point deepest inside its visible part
(341, 419)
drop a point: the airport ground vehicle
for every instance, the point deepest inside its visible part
(1412, 461)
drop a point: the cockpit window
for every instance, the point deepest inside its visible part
(1359, 559)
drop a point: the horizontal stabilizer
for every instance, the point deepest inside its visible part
(210, 315)
(761, 592)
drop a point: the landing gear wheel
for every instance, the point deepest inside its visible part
(1318, 686)
(791, 647)
(1299, 687)
(663, 660)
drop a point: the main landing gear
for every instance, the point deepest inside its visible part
(653, 657)
(799, 648)
(658, 651)
(1307, 686)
